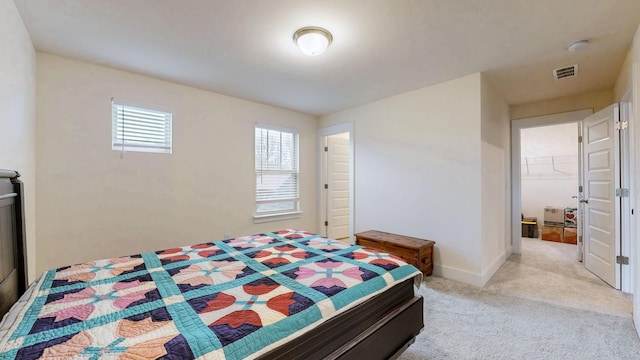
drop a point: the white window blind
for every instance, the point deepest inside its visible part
(136, 128)
(277, 185)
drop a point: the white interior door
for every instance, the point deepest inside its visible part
(338, 186)
(601, 230)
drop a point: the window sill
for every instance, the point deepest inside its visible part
(258, 219)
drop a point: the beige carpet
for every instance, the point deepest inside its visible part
(540, 305)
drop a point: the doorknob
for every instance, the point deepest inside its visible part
(585, 201)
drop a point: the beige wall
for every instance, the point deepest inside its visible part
(624, 82)
(17, 123)
(596, 100)
(629, 81)
(496, 202)
(635, 247)
(93, 203)
(417, 170)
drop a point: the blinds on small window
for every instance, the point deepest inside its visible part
(277, 185)
(134, 128)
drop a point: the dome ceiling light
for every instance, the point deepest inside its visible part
(578, 45)
(312, 40)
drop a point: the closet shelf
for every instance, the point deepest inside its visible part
(555, 166)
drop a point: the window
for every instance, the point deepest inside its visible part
(137, 128)
(277, 187)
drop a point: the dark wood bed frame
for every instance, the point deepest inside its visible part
(13, 261)
(380, 328)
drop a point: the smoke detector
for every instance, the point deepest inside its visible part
(566, 72)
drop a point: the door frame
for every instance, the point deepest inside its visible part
(322, 169)
(627, 143)
(516, 180)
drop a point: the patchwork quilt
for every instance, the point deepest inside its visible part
(230, 299)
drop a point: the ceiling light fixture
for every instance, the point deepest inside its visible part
(312, 40)
(578, 45)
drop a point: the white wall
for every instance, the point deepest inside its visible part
(635, 246)
(496, 202)
(418, 173)
(543, 186)
(17, 123)
(94, 204)
(629, 80)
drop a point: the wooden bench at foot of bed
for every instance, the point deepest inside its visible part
(417, 252)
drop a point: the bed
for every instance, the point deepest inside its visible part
(286, 294)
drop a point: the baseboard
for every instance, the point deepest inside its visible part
(457, 275)
(468, 277)
(488, 274)
(636, 322)
(509, 251)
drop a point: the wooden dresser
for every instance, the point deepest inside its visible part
(417, 252)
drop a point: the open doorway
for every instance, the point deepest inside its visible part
(336, 183)
(549, 184)
(599, 172)
(336, 150)
(517, 126)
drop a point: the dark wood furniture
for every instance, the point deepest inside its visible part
(415, 251)
(13, 262)
(380, 328)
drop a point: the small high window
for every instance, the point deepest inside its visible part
(139, 128)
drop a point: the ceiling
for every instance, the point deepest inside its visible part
(381, 48)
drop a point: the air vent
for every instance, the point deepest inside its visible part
(566, 72)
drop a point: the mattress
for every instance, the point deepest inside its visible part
(233, 299)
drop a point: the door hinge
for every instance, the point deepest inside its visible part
(326, 223)
(622, 125)
(326, 186)
(622, 192)
(622, 260)
(580, 139)
(326, 148)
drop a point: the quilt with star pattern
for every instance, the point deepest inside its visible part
(229, 299)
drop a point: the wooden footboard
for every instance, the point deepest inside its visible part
(12, 246)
